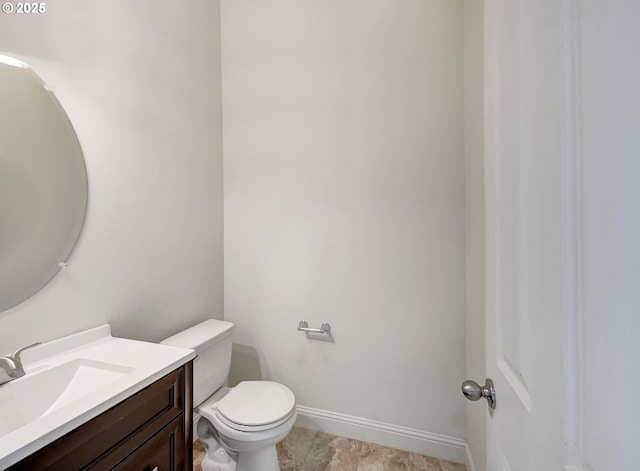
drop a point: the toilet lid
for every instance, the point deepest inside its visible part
(254, 403)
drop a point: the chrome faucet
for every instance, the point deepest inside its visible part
(11, 365)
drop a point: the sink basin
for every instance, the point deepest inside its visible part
(72, 380)
(37, 394)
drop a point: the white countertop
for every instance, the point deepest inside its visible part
(135, 365)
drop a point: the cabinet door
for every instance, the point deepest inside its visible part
(165, 451)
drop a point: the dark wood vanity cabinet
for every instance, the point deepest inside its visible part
(149, 431)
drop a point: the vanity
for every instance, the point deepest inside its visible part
(91, 401)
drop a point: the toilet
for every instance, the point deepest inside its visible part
(239, 427)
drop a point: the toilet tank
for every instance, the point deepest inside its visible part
(211, 340)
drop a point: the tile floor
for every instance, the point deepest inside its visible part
(308, 450)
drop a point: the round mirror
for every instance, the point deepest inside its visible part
(43, 184)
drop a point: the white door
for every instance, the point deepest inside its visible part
(530, 234)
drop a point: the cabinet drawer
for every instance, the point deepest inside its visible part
(120, 430)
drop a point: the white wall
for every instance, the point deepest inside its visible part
(609, 96)
(475, 222)
(141, 83)
(344, 202)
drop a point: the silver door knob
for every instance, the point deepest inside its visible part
(473, 391)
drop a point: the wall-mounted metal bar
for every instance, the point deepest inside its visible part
(325, 328)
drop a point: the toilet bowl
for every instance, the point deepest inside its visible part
(239, 427)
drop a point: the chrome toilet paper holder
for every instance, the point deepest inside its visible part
(325, 328)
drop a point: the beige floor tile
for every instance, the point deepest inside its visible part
(398, 460)
(198, 454)
(318, 458)
(323, 439)
(299, 434)
(308, 450)
(425, 463)
(343, 460)
(449, 466)
(293, 450)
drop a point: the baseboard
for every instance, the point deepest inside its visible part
(394, 436)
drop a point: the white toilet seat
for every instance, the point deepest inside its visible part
(255, 404)
(252, 410)
(237, 439)
(252, 428)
